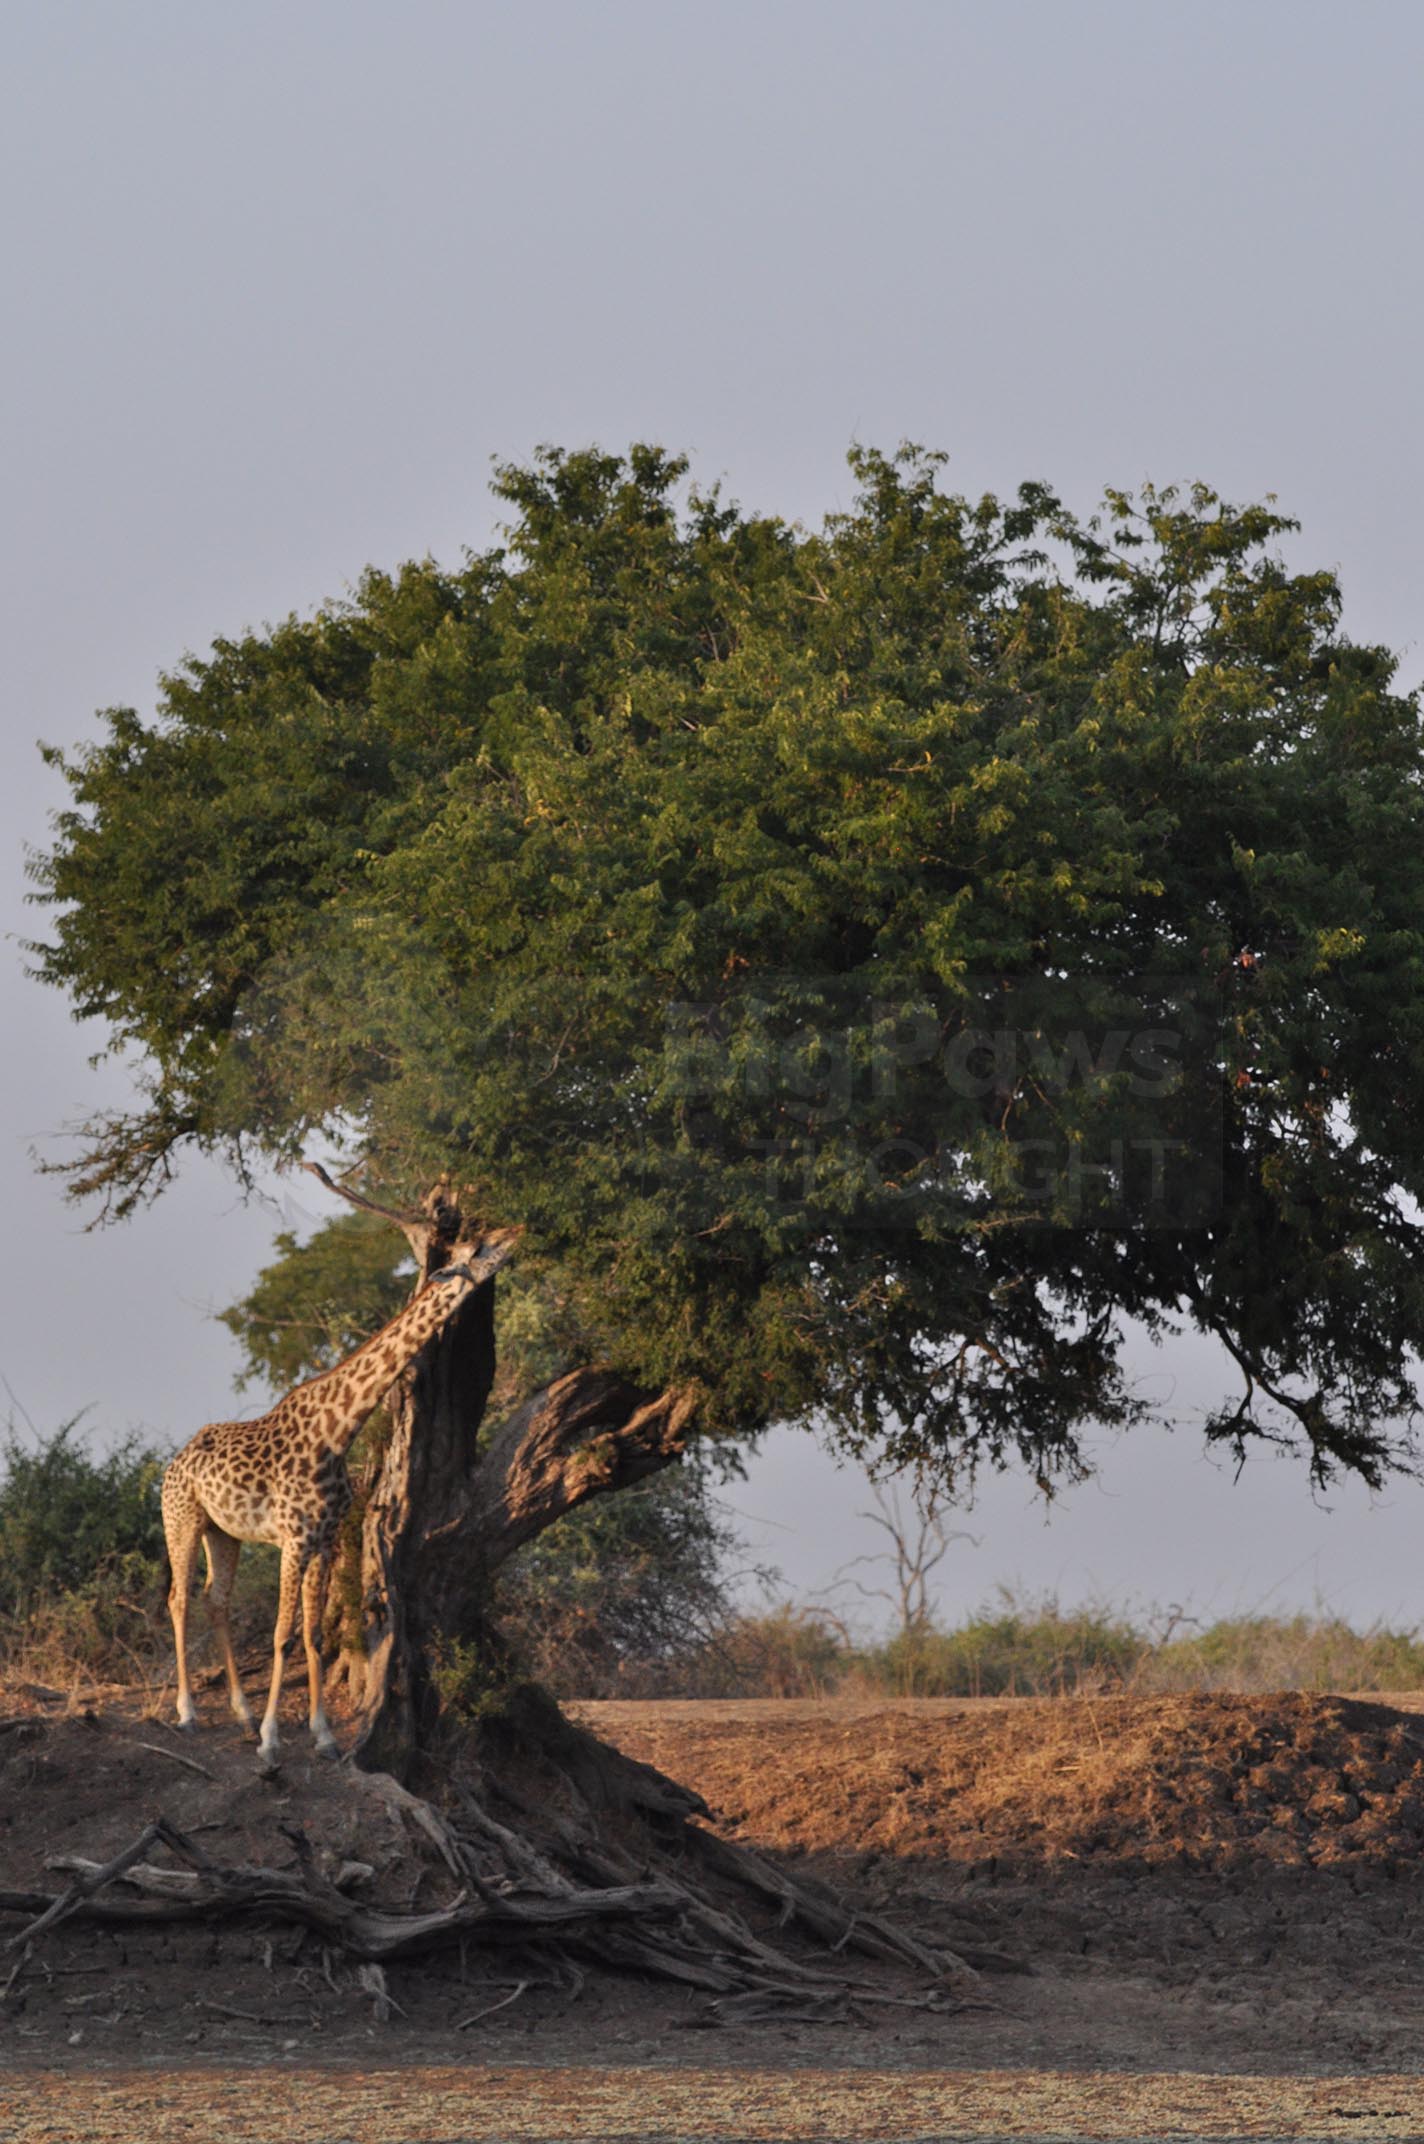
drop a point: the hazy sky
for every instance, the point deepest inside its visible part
(280, 281)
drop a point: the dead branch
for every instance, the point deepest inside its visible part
(586, 1434)
(372, 1980)
(819, 1911)
(601, 1860)
(95, 1877)
(476, 2016)
(418, 1229)
(212, 1891)
(176, 1756)
(248, 2017)
(25, 1902)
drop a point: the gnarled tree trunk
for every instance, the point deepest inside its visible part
(448, 1508)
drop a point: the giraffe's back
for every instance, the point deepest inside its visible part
(241, 1476)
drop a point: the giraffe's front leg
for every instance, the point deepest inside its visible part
(294, 1559)
(313, 1603)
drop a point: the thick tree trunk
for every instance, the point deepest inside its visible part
(436, 1408)
(445, 1513)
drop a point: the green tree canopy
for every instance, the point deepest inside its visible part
(657, 877)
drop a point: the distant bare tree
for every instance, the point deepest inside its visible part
(919, 1540)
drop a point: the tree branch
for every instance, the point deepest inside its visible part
(585, 1435)
(417, 1228)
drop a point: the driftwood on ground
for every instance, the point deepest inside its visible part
(612, 1868)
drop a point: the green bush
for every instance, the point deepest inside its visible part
(1319, 1652)
(1034, 1651)
(64, 1515)
(1018, 1647)
(81, 1556)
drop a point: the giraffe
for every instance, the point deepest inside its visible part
(282, 1478)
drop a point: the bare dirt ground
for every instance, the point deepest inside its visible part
(1220, 1903)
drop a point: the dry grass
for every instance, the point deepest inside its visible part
(1203, 1782)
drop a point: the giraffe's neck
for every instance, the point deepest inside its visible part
(336, 1403)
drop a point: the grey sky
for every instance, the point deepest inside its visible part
(281, 280)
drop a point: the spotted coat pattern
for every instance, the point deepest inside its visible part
(283, 1479)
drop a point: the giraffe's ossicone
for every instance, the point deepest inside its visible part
(282, 1478)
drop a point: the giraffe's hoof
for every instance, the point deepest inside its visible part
(187, 1727)
(327, 1749)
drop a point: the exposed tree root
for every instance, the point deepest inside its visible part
(593, 1860)
(204, 1889)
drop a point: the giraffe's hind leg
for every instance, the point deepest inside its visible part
(183, 1523)
(295, 1558)
(313, 1604)
(223, 1550)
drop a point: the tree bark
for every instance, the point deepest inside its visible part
(435, 1409)
(590, 1433)
(446, 1511)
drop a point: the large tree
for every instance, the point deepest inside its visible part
(599, 1605)
(873, 966)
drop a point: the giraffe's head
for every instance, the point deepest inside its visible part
(475, 1256)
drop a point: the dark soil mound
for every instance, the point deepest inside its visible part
(152, 1862)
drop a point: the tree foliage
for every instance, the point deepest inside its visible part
(643, 876)
(318, 1301)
